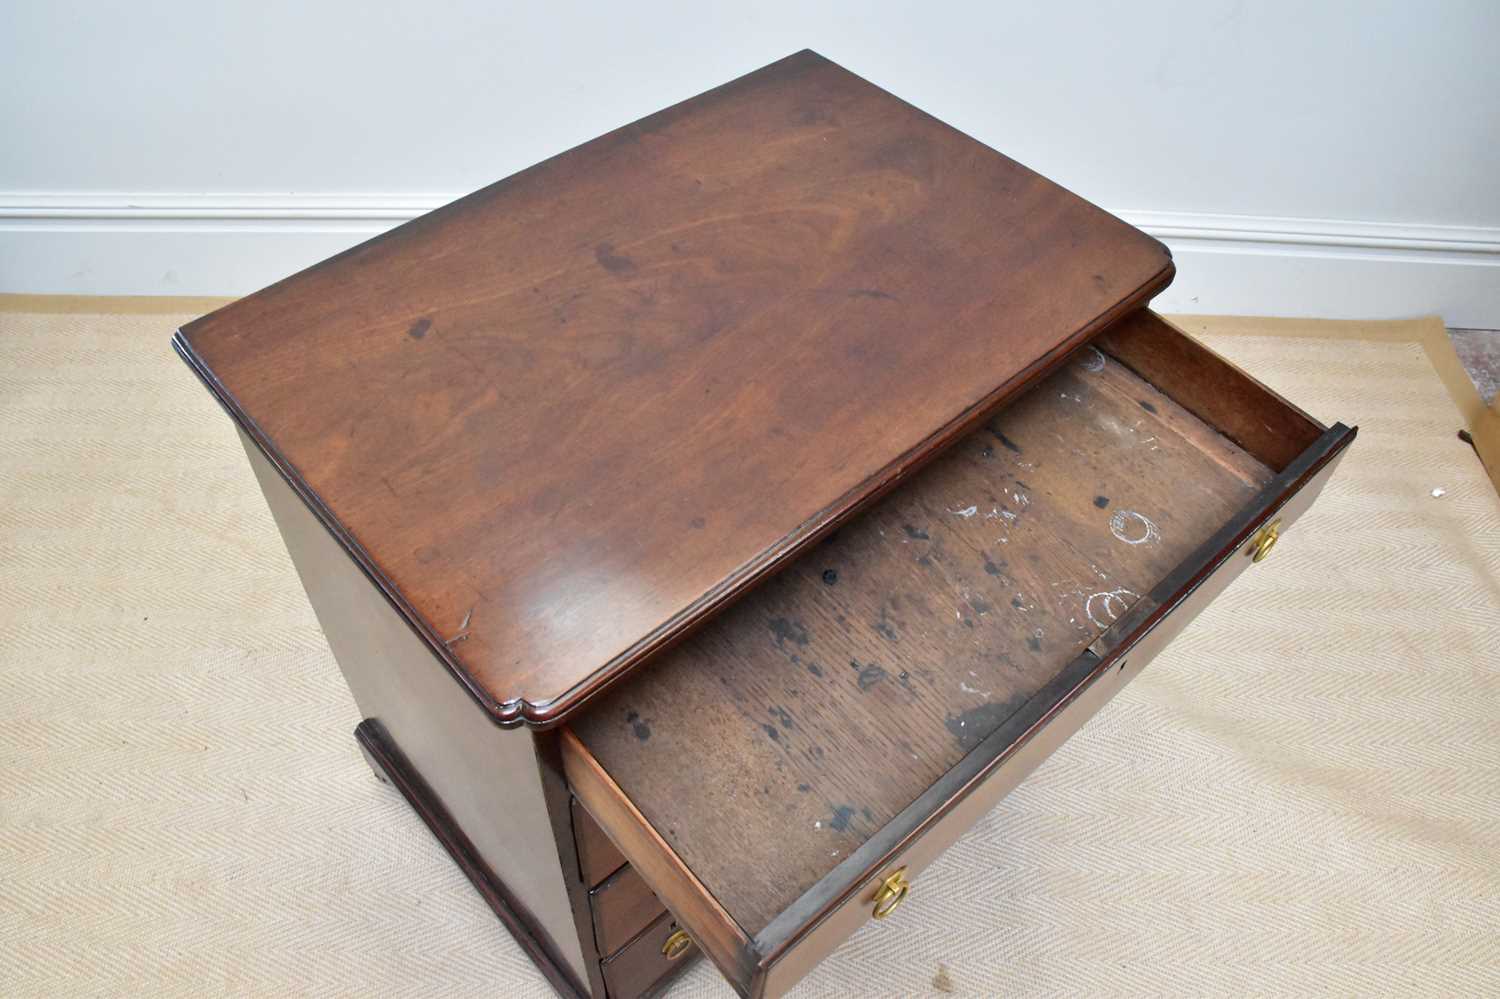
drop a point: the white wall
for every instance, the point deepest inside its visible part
(1315, 159)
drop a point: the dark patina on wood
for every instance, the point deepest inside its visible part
(829, 699)
(833, 897)
(551, 431)
(562, 420)
(833, 907)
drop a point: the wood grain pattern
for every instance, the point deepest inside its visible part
(832, 910)
(825, 702)
(714, 930)
(623, 906)
(567, 417)
(1213, 389)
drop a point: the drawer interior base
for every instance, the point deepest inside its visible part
(776, 740)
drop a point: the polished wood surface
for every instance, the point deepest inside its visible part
(623, 906)
(564, 419)
(824, 703)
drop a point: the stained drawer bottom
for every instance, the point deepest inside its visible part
(851, 717)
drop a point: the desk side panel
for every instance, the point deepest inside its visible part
(487, 777)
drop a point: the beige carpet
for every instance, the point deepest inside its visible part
(1302, 796)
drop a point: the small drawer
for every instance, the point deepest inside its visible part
(661, 950)
(851, 718)
(598, 857)
(623, 906)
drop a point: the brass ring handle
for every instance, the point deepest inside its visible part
(677, 944)
(1265, 541)
(891, 894)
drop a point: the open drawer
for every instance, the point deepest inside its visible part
(787, 771)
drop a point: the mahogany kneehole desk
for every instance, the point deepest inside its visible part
(712, 522)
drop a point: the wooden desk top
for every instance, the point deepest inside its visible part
(567, 417)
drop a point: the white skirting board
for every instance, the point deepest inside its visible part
(123, 244)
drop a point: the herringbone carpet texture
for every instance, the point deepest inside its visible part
(1301, 797)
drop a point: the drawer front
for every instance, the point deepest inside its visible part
(598, 857)
(805, 934)
(623, 906)
(661, 950)
(828, 913)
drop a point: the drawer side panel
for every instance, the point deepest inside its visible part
(725, 943)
